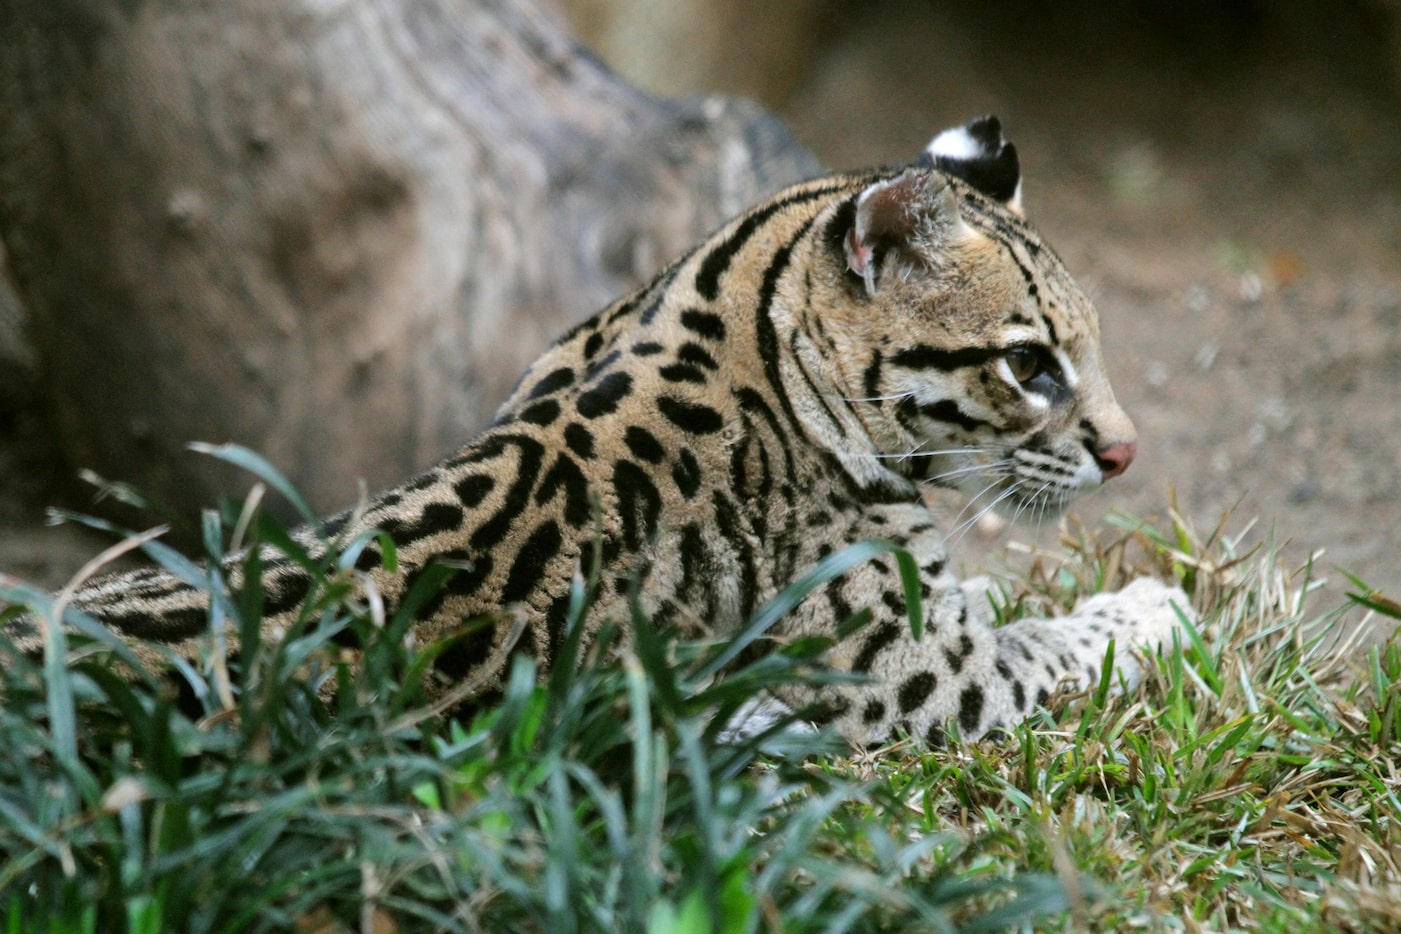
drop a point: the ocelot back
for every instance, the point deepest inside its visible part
(780, 392)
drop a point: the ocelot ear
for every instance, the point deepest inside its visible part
(901, 223)
(977, 153)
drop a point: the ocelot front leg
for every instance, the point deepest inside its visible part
(964, 671)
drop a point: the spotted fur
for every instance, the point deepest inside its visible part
(782, 391)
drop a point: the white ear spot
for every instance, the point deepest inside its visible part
(957, 143)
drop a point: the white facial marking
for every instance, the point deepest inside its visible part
(1072, 377)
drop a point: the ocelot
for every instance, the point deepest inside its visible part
(781, 391)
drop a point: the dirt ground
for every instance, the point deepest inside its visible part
(1227, 191)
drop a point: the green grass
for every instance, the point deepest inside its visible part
(1254, 783)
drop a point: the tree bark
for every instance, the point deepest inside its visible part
(333, 230)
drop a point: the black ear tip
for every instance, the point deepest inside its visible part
(987, 130)
(1009, 158)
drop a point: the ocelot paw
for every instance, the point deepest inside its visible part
(759, 715)
(977, 592)
(1142, 619)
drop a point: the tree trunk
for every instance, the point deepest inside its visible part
(333, 231)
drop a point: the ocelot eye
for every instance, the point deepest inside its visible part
(1037, 371)
(1025, 364)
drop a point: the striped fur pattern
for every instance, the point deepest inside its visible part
(782, 391)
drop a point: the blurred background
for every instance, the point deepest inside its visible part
(1224, 178)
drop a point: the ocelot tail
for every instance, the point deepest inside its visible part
(781, 391)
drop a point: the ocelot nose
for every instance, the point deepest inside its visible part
(1115, 458)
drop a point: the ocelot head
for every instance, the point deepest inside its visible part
(971, 357)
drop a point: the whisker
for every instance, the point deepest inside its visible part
(896, 397)
(959, 527)
(1023, 504)
(1035, 501)
(957, 533)
(995, 468)
(917, 453)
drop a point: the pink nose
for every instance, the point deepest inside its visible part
(1116, 458)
